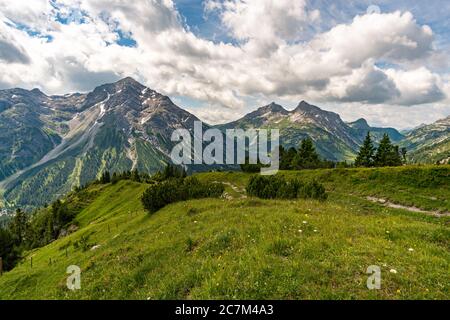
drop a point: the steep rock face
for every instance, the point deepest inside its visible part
(118, 126)
(429, 143)
(29, 128)
(333, 138)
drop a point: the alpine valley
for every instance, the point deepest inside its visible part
(51, 144)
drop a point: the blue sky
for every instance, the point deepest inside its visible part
(221, 59)
(435, 13)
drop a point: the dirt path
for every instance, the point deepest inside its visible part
(235, 189)
(389, 204)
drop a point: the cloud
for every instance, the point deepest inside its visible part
(393, 37)
(275, 52)
(215, 115)
(265, 20)
(418, 86)
(367, 84)
(11, 54)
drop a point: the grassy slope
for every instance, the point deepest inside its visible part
(249, 248)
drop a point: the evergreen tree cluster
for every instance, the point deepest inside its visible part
(251, 167)
(170, 171)
(178, 189)
(278, 187)
(26, 232)
(306, 157)
(386, 155)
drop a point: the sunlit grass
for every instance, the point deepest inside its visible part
(244, 248)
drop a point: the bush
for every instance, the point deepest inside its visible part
(313, 190)
(278, 187)
(175, 190)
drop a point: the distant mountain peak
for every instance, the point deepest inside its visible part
(274, 107)
(306, 107)
(128, 81)
(37, 91)
(360, 124)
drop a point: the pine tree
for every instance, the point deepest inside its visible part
(383, 150)
(404, 152)
(135, 176)
(387, 154)
(18, 227)
(105, 178)
(286, 157)
(366, 153)
(307, 157)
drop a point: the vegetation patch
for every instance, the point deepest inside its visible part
(278, 187)
(174, 190)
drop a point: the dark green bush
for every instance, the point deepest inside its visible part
(278, 187)
(312, 190)
(175, 190)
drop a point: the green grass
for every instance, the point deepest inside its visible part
(426, 187)
(245, 248)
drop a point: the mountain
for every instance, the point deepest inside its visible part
(334, 139)
(50, 144)
(65, 141)
(361, 128)
(429, 143)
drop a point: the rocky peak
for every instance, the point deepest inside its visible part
(304, 106)
(274, 108)
(37, 92)
(359, 124)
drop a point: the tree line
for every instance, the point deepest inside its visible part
(306, 157)
(29, 231)
(386, 155)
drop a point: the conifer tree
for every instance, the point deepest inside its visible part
(366, 153)
(387, 154)
(307, 157)
(105, 178)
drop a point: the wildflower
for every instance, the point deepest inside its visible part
(393, 271)
(305, 222)
(410, 249)
(300, 231)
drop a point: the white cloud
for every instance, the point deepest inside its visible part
(374, 59)
(417, 86)
(265, 20)
(215, 115)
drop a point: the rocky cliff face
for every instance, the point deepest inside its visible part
(63, 141)
(429, 143)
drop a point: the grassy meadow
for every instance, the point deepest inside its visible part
(247, 248)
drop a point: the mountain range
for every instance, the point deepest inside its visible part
(50, 144)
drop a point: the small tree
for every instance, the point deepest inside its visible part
(306, 157)
(366, 153)
(286, 158)
(387, 154)
(105, 178)
(404, 152)
(135, 176)
(18, 227)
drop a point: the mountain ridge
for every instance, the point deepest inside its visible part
(50, 144)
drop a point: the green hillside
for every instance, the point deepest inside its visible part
(246, 248)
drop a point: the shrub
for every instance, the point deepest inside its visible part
(175, 190)
(312, 190)
(278, 187)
